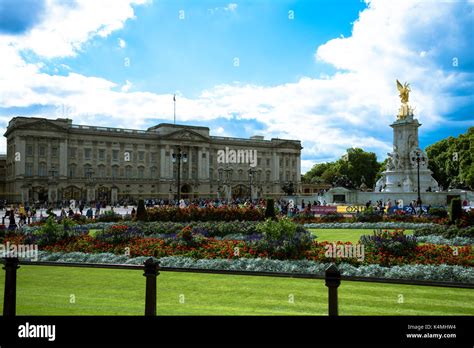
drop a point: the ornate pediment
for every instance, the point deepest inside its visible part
(186, 134)
(36, 125)
(290, 144)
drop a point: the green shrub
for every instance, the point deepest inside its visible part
(455, 210)
(141, 211)
(109, 216)
(283, 239)
(445, 231)
(395, 243)
(438, 212)
(336, 217)
(270, 211)
(50, 233)
(368, 216)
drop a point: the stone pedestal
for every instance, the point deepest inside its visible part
(401, 174)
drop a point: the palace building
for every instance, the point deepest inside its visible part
(55, 160)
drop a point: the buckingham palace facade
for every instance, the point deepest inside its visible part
(56, 160)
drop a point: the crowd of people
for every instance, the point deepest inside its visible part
(19, 215)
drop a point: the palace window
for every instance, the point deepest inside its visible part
(101, 154)
(141, 156)
(141, 172)
(72, 152)
(29, 150)
(101, 171)
(87, 154)
(88, 171)
(115, 171)
(153, 157)
(42, 169)
(115, 155)
(72, 171)
(54, 152)
(29, 169)
(128, 172)
(42, 150)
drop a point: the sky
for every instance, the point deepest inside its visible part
(320, 71)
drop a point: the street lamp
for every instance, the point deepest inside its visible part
(178, 157)
(251, 174)
(418, 158)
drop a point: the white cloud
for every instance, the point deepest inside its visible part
(231, 7)
(67, 26)
(126, 87)
(122, 43)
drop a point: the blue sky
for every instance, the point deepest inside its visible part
(320, 71)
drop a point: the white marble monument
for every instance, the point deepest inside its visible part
(402, 165)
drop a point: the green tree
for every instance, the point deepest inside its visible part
(357, 164)
(452, 161)
(354, 165)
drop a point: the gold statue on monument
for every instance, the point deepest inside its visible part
(404, 91)
(405, 109)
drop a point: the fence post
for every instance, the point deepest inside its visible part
(151, 272)
(9, 298)
(333, 280)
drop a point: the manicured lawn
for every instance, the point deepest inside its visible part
(48, 291)
(343, 234)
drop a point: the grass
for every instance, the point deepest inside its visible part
(48, 291)
(343, 234)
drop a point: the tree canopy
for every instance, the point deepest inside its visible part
(452, 161)
(351, 170)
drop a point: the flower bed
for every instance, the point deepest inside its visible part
(370, 225)
(192, 213)
(199, 247)
(414, 272)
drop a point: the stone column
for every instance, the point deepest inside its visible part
(206, 165)
(63, 158)
(200, 164)
(275, 166)
(163, 163)
(20, 147)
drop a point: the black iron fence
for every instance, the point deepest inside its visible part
(152, 269)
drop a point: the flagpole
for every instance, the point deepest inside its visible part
(174, 100)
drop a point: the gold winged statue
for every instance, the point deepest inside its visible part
(404, 91)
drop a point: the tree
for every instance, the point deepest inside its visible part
(270, 210)
(354, 165)
(452, 161)
(357, 164)
(142, 214)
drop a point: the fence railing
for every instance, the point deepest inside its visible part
(152, 269)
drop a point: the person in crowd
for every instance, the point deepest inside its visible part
(89, 213)
(133, 213)
(11, 217)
